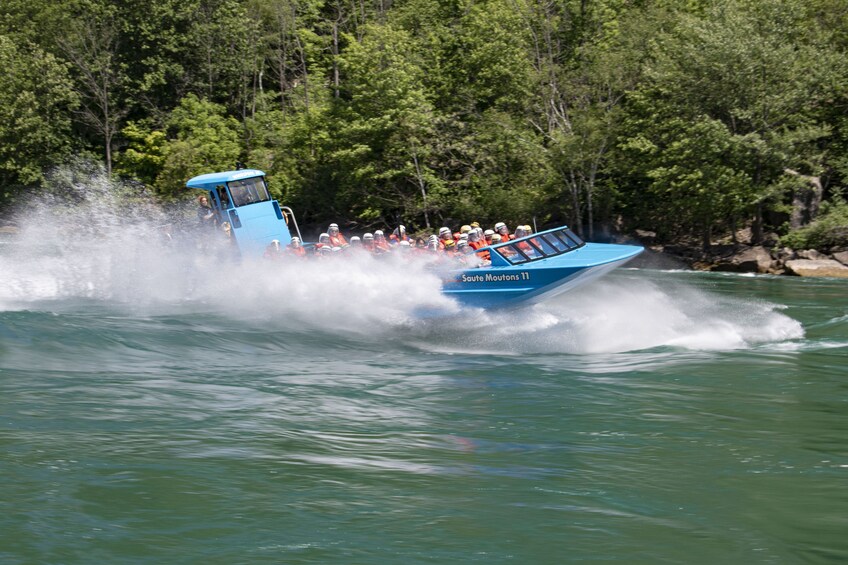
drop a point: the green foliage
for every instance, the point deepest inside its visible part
(830, 230)
(144, 156)
(202, 138)
(36, 99)
(731, 100)
(676, 116)
(383, 128)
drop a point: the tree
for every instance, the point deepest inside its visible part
(206, 140)
(36, 101)
(91, 46)
(385, 121)
(747, 78)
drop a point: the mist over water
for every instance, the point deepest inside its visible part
(96, 240)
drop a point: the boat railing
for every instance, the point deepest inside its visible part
(535, 247)
(290, 214)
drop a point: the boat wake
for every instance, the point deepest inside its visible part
(627, 311)
(100, 249)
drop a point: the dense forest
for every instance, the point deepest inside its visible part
(691, 118)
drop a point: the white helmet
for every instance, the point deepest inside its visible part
(324, 238)
(496, 238)
(355, 240)
(444, 231)
(333, 229)
(295, 241)
(500, 225)
(378, 233)
(368, 237)
(489, 233)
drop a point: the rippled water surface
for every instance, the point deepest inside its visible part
(149, 415)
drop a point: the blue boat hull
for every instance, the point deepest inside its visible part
(514, 285)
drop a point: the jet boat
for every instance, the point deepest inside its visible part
(520, 271)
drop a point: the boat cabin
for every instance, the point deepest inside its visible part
(241, 199)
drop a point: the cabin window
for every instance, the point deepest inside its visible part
(513, 254)
(573, 236)
(223, 197)
(249, 191)
(543, 246)
(556, 242)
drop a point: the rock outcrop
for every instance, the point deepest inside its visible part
(817, 268)
(750, 260)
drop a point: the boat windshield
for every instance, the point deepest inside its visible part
(249, 191)
(539, 246)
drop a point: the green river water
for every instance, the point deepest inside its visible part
(654, 417)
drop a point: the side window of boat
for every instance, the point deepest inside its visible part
(241, 196)
(512, 255)
(556, 242)
(573, 237)
(543, 245)
(566, 241)
(222, 196)
(262, 190)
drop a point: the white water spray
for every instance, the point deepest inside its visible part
(102, 242)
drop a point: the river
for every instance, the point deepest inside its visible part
(169, 410)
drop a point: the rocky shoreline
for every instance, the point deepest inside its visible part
(767, 258)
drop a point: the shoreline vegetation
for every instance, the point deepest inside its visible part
(713, 131)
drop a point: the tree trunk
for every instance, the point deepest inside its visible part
(805, 201)
(757, 227)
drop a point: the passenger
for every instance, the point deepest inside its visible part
(205, 213)
(336, 237)
(398, 235)
(520, 232)
(485, 254)
(445, 236)
(323, 241)
(296, 248)
(468, 256)
(420, 243)
(501, 229)
(450, 247)
(474, 240)
(368, 242)
(433, 244)
(380, 243)
(324, 252)
(273, 251)
(465, 229)
(404, 247)
(355, 242)
(488, 236)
